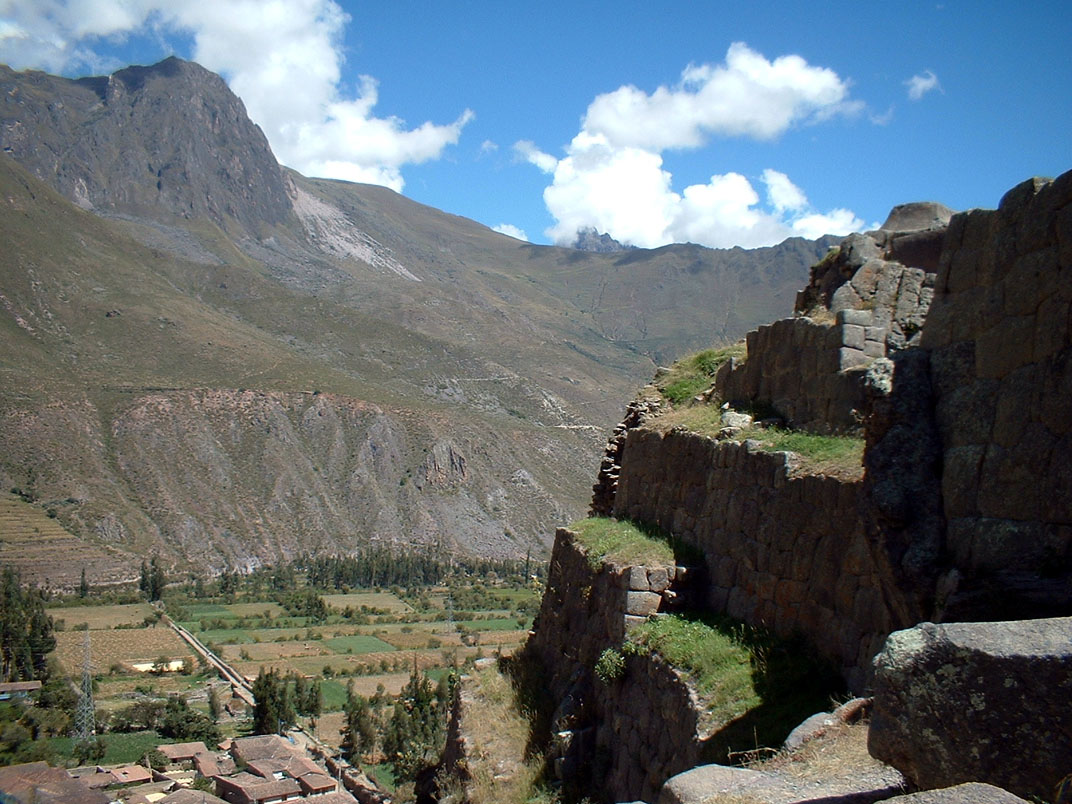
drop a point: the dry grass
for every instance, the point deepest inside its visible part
(497, 735)
(378, 600)
(840, 752)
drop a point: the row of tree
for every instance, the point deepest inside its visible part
(25, 630)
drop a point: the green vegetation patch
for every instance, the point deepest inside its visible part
(820, 454)
(718, 661)
(619, 541)
(358, 644)
(692, 375)
(759, 687)
(119, 748)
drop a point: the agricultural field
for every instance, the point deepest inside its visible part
(98, 618)
(372, 639)
(120, 649)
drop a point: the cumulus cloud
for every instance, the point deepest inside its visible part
(920, 85)
(746, 96)
(511, 231)
(282, 57)
(612, 177)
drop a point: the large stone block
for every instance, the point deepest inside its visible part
(642, 604)
(987, 702)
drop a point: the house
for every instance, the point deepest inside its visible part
(18, 689)
(210, 765)
(37, 783)
(262, 746)
(132, 774)
(182, 753)
(338, 797)
(245, 788)
(187, 795)
(309, 775)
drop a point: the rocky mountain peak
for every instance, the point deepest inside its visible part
(597, 243)
(169, 138)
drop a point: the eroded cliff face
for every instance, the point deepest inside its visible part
(239, 478)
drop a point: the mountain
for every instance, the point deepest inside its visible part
(215, 359)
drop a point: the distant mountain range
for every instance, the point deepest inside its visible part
(209, 357)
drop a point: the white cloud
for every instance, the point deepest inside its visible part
(612, 176)
(782, 194)
(528, 152)
(282, 57)
(511, 231)
(920, 85)
(746, 96)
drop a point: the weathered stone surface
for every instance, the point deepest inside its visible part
(970, 793)
(917, 215)
(709, 784)
(985, 702)
(642, 604)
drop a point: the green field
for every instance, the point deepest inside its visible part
(358, 644)
(120, 749)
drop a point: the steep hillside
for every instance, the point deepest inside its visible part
(223, 361)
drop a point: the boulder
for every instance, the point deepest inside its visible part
(709, 784)
(970, 793)
(917, 215)
(986, 702)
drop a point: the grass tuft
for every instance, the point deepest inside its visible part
(692, 375)
(618, 541)
(755, 688)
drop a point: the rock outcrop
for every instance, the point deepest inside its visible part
(985, 702)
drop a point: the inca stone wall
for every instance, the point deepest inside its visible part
(866, 298)
(998, 336)
(631, 734)
(811, 373)
(787, 552)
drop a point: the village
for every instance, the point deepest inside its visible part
(260, 769)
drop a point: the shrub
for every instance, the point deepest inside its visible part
(610, 666)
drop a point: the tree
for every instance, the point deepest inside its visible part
(157, 580)
(89, 750)
(215, 708)
(358, 731)
(414, 733)
(83, 586)
(183, 723)
(273, 707)
(25, 630)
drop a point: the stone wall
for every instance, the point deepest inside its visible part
(784, 551)
(865, 299)
(998, 336)
(809, 372)
(632, 734)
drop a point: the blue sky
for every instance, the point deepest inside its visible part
(719, 123)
